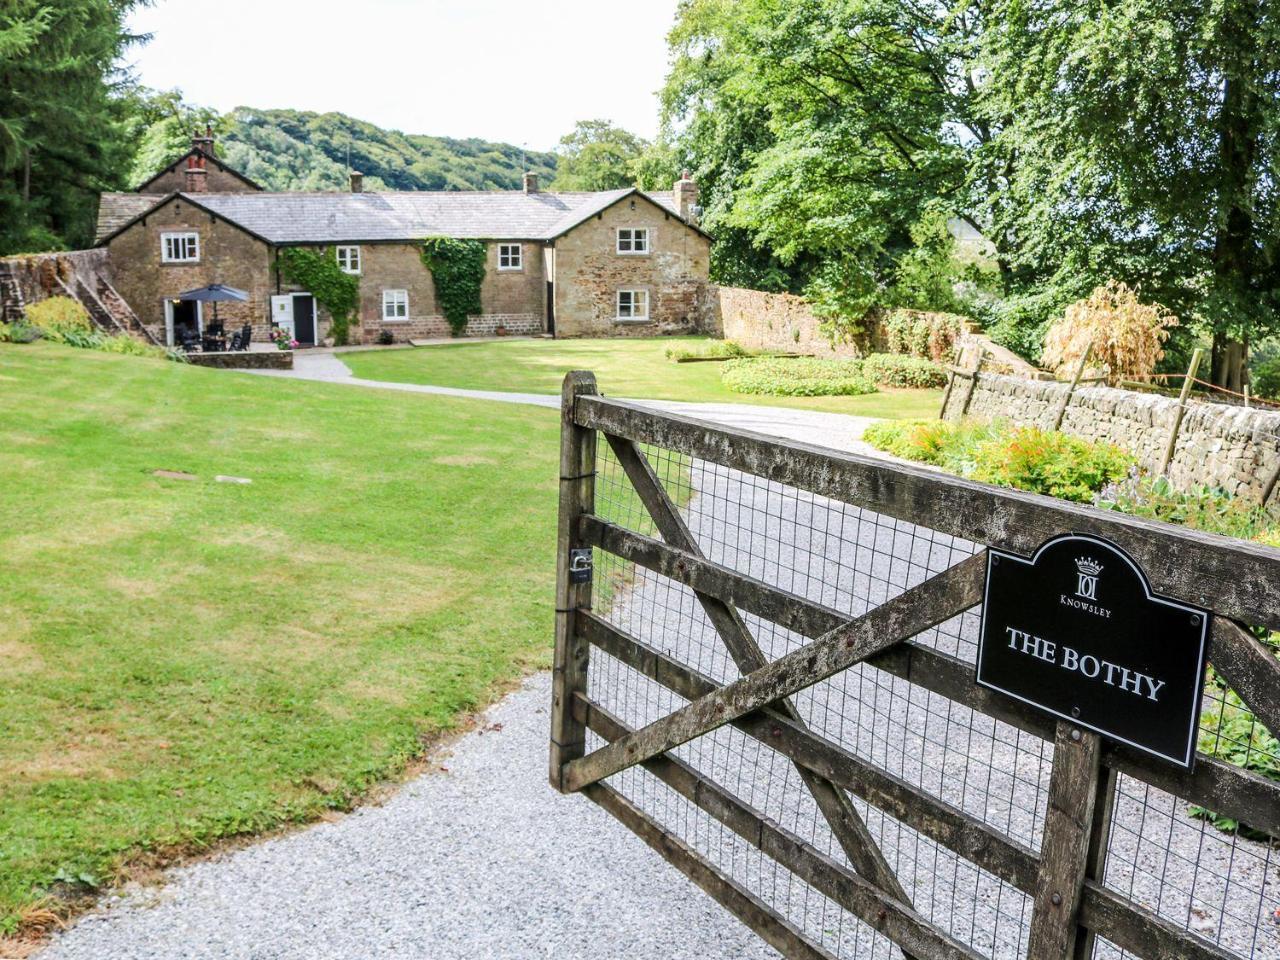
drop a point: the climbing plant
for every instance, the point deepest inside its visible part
(457, 270)
(318, 273)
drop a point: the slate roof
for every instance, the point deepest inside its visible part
(117, 209)
(282, 218)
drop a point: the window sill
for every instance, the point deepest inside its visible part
(177, 263)
(397, 319)
(631, 320)
(633, 253)
(511, 269)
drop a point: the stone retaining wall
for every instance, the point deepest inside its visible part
(44, 275)
(245, 359)
(1224, 446)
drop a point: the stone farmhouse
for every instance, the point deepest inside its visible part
(612, 263)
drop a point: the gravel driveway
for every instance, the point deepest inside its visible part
(484, 860)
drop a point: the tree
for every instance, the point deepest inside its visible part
(1142, 140)
(597, 156)
(825, 130)
(63, 125)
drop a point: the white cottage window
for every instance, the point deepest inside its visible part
(395, 304)
(349, 259)
(633, 304)
(633, 240)
(510, 256)
(180, 247)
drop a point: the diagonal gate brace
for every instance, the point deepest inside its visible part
(846, 824)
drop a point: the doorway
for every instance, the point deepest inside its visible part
(304, 319)
(551, 308)
(183, 322)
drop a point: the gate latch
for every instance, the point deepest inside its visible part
(580, 565)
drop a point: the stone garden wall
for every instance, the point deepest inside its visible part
(1220, 445)
(778, 322)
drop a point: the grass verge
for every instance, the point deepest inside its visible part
(188, 660)
(625, 368)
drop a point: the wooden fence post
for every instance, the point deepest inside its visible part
(951, 382)
(973, 381)
(1180, 411)
(1075, 382)
(577, 497)
(1065, 847)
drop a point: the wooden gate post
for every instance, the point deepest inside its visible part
(1065, 847)
(577, 497)
(973, 381)
(1181, 411)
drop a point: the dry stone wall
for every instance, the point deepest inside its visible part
(1224, 446)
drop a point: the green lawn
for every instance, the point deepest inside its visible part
(625, 368)
(189, 660)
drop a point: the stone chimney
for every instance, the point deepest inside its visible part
(530, 182)
(196, 175)
(686, 196)
(357, 181)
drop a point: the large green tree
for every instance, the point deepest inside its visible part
(64, 131)
(824, 131)
(1140, 140)
(597, 155)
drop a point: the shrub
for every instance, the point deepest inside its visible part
(18, 332)
(1025, 458)
(1265, 379)
(334, 289)
(57, 317)
(386, 337)
(1127, 335)
(1052, 463)
(923, 334)
(124, 344)
(1209, 509)
(800, 377)
(896, 370)
(717, 349)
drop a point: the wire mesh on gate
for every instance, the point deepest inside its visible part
(1208, 877)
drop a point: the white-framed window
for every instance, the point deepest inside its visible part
(395, 304)
(633, 239)
(510, 256)
(633, 304)
(349, 259)
(180, 247)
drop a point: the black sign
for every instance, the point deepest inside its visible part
(1076, 631)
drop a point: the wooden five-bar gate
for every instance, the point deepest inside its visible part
(764, 669)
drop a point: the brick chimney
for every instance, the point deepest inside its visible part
(530, 182)
(685, 193)
(196, 175)
(357, 181)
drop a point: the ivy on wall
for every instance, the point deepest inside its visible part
(457, 270)
(317, 272)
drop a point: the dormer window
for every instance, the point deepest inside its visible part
(349, 259)
(633, 240)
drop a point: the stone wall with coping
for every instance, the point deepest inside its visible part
(1221, 445)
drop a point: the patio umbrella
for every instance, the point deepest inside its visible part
(215, 293)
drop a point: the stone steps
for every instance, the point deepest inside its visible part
(12, 306)
(118, 308)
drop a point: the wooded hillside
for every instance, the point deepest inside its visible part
(299, 150)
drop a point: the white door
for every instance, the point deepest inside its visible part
(282, 312)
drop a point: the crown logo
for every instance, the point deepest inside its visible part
(1087, 566)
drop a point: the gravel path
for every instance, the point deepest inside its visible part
(484, 860)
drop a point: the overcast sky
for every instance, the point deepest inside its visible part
(513, 70)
